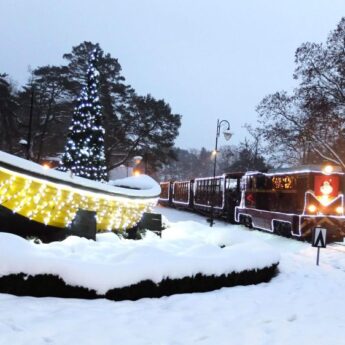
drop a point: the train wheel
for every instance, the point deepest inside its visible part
(282, 228)
(246, 221)
(249, 223)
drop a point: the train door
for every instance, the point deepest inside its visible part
(232, 196)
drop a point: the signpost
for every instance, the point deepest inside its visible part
(319, 241)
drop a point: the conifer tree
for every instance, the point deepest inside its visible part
(84, 151)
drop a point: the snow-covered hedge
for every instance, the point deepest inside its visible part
(125, 269)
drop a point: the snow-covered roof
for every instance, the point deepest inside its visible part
(144, 186)
(300, 169)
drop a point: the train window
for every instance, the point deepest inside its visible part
(283, 182)
(250, 182)
(260, 181)
(231, 183)
(243, 184)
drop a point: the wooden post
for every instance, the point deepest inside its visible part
(84, 225)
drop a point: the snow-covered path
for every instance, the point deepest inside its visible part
(303, 304)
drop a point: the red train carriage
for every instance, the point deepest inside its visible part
(291, 202)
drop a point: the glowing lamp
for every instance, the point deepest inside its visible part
(45, 166)
(328, 169)
(339, 210)
(136, 173)
(214, 152)
(325, 200)
(137, 159)
(312, 208)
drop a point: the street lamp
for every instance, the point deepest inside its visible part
(227, 135)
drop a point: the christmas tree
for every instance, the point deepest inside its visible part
(84, 151)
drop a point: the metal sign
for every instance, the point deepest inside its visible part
(319, 238)
(319, 241)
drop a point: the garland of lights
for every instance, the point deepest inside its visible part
(56, 204)
(84, 152)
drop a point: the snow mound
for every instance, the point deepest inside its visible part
(141, 182)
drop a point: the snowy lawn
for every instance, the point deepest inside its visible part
(303, 304)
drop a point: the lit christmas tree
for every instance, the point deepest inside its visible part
(84, 151)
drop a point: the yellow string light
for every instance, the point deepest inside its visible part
(56, 204)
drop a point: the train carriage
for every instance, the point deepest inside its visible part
(218, 195)
(291, 202)
(165, 196)
(182, 194)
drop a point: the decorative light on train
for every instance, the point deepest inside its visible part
(324, 200)
(327, 169)
(312, 208)
(339, 210)
(326, 188)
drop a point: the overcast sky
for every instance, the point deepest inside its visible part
(207, 59)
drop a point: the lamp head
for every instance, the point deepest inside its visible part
(227, 134)
(137, 159)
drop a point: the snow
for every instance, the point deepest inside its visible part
(111, 262)
(142, 182)
(150, 188)
(304, 304)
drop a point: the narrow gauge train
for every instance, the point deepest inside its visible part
(289, 202)
(220, 195)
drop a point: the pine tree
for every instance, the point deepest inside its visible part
(84, 151)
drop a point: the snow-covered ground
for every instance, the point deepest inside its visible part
(303, 304)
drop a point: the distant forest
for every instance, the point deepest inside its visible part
(135, 125)
(303, 127)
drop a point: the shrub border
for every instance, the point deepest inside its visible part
(48, 285)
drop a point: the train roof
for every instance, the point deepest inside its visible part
(300, 169)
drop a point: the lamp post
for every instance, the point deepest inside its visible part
(227, 135)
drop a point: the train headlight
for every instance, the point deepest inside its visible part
(325, 200)
(328, 169)
(312, 208)
(339, 210)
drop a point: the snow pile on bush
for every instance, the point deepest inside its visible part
(185, 250)
(141, 182)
